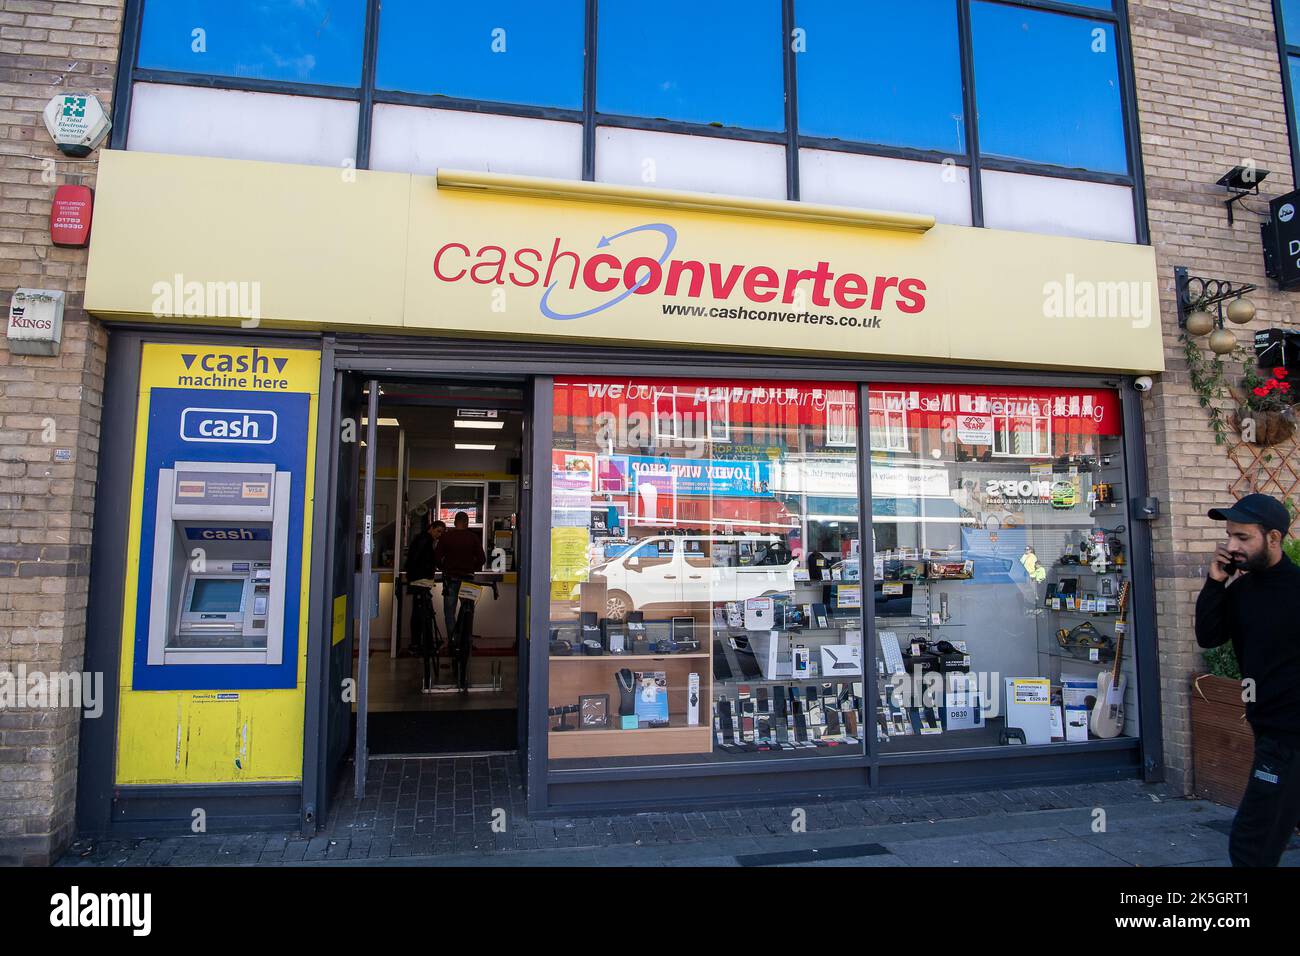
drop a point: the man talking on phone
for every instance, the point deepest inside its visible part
(1252, 598)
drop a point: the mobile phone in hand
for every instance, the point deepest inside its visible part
(1235, 565)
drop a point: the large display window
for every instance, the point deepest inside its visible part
(710, 589)
(1001, 567)
(706, 584)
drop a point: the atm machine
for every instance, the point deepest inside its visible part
(220, 544)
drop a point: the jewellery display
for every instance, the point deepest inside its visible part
(593, 711)
(563, 714)
(626, 684)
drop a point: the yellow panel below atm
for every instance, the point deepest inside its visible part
(211, 737)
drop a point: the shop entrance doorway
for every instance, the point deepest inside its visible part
(436, 544)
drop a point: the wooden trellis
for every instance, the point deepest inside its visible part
(1273, 470)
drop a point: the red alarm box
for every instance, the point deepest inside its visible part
(70, 216)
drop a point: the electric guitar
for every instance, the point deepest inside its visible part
(1107, 719)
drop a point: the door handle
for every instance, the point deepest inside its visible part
(670, 577)
(695, 577)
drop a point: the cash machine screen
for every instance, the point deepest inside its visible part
(220, 542)
(213, 595)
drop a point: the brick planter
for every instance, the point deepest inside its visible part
(1222, 742)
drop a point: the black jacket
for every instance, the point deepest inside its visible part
(1260, 614)
(420, 560)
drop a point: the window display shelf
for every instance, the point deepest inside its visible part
(812, 679)
(677, 738)
(675, 722)
(914, 622)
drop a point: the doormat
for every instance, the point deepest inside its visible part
(441, 732)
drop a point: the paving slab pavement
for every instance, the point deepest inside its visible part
(1118, 823)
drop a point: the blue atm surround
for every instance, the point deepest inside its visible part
(164, 447)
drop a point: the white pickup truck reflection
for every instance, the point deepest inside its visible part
(689, 569)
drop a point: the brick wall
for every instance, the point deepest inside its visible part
(1209, 89)
(45, 504)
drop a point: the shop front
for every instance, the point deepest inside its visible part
(791, 498)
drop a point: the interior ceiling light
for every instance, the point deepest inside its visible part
(476, 423)
(464, 447)
(381, 421)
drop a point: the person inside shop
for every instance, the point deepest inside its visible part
(459, 554)
(421, 565)
(1251, 598)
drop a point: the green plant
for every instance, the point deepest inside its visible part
(1208, 383)
(1221, 661)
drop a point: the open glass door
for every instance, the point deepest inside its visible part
(344, 448)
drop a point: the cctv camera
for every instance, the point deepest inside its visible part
(1143, 383)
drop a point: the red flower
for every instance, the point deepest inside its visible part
(1271, 383)
(1261, 392)
(1280, 372)
(1284, 387)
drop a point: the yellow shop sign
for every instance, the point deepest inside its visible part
(491, 256)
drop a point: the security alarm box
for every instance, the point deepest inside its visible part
(220, 543)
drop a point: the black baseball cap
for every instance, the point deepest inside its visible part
(1256, 509)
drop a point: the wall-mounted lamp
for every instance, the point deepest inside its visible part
(1201, 308)
(1241, 181)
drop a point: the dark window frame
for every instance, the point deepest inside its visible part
(368, 95)
(1285, 51)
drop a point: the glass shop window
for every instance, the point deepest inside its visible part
(1047, 86)
(717, 63)
(319, 42)
(504, 52)
(1001, 574)
(706, 593)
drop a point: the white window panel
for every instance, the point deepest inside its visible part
(1058, 207)
(893, 185)
(233, 124)
(887, 421)
(414, 139)
(637, 157)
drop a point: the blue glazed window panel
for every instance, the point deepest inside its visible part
(1293, 63)
(1047, 88)
(1291, 21)
(503, 52)
(712, 63)
(300, 41)
(907, 93)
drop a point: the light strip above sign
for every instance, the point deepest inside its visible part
(540, 187)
